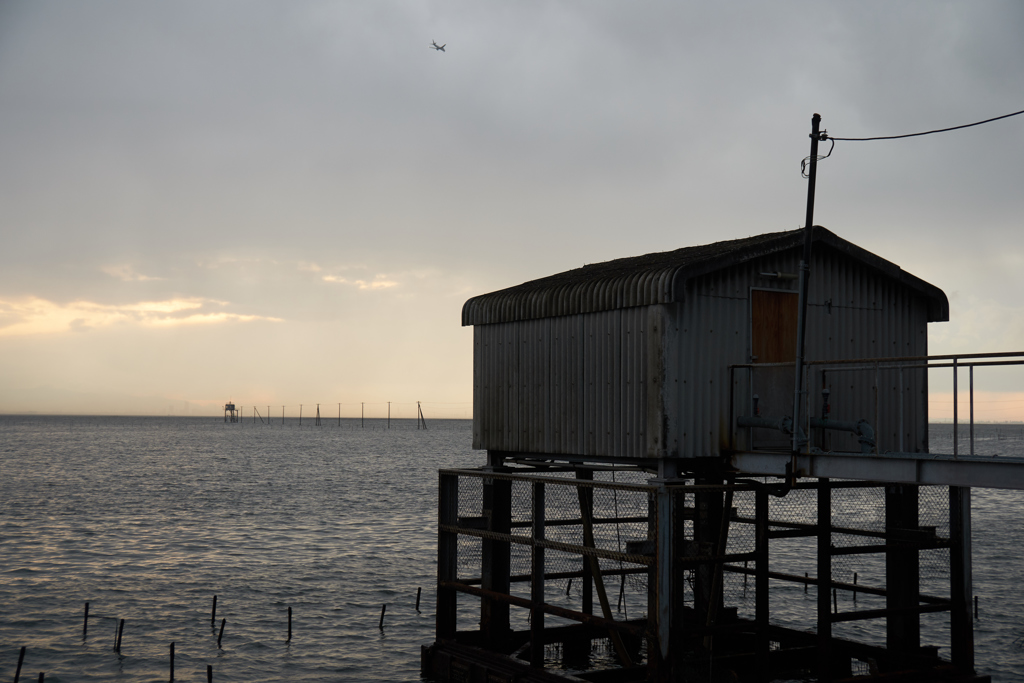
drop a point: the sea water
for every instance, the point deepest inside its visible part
(148, 518)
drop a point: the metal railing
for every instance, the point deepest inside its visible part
(884, 416)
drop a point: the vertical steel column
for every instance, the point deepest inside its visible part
(824, 580)
(962, 627)
(710, 516)
(902, 566)
(537, 580)
(586, 495)
(761, 603)
(665, 569)
(447, 555)
(496, 561)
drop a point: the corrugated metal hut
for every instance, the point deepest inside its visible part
(657, 356)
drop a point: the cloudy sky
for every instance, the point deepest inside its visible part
(288, 202)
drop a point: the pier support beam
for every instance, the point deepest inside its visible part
(903, 625)
(496, 561)
(960, 581)
(537, 579)
(761, 602)
(447, 555)
(824, 581)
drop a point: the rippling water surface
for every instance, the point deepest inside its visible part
(148, 518)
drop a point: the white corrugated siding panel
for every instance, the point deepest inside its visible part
(569, 385)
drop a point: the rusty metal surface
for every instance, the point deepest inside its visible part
(661, 377)
(662, 277)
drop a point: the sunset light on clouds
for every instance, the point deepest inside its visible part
(290, 202)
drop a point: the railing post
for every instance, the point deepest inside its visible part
(971, 373)
(537, 580)
(956, 439)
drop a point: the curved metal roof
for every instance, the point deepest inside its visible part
(661, 277)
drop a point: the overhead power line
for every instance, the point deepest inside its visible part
(927, 132)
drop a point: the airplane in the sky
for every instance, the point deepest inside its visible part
(434, 45)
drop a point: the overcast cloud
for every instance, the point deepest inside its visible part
(285, 202)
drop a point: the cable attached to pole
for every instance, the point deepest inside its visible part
(928, 132)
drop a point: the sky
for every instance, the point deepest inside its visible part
(284, 203)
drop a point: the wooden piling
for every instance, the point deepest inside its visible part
(383, 608)
(855, 583)
(85, 622)
(835, 602)
(42, 676)
(209, 673)
(213, 613)
(120, 633)
(21, 659)
(222, 622)
(420, 590)
(172, 663)
(289, 624)
(568, 588)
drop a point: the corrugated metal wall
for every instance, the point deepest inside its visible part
(653, 381)
(568, 385)
(852, 313)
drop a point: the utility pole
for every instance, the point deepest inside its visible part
(805, 276)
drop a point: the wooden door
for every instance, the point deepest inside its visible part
(773, 321)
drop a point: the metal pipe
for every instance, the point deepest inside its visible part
(955, 434)
(862, 428)
(901, 412)
(971, 373)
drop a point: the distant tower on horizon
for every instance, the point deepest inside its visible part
(230, 415)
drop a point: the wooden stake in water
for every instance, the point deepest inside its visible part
(222, 622)
(213, 613)
(85, 622)
(21, 659)
(835, 602)
(568, 587)
(42, 676)
(120, 632)
(855, 583)
(172, 662)
(209, 673)
(418, 592)
(383, 608)
(289, 624)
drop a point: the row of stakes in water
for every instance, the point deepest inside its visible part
(213, 623)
